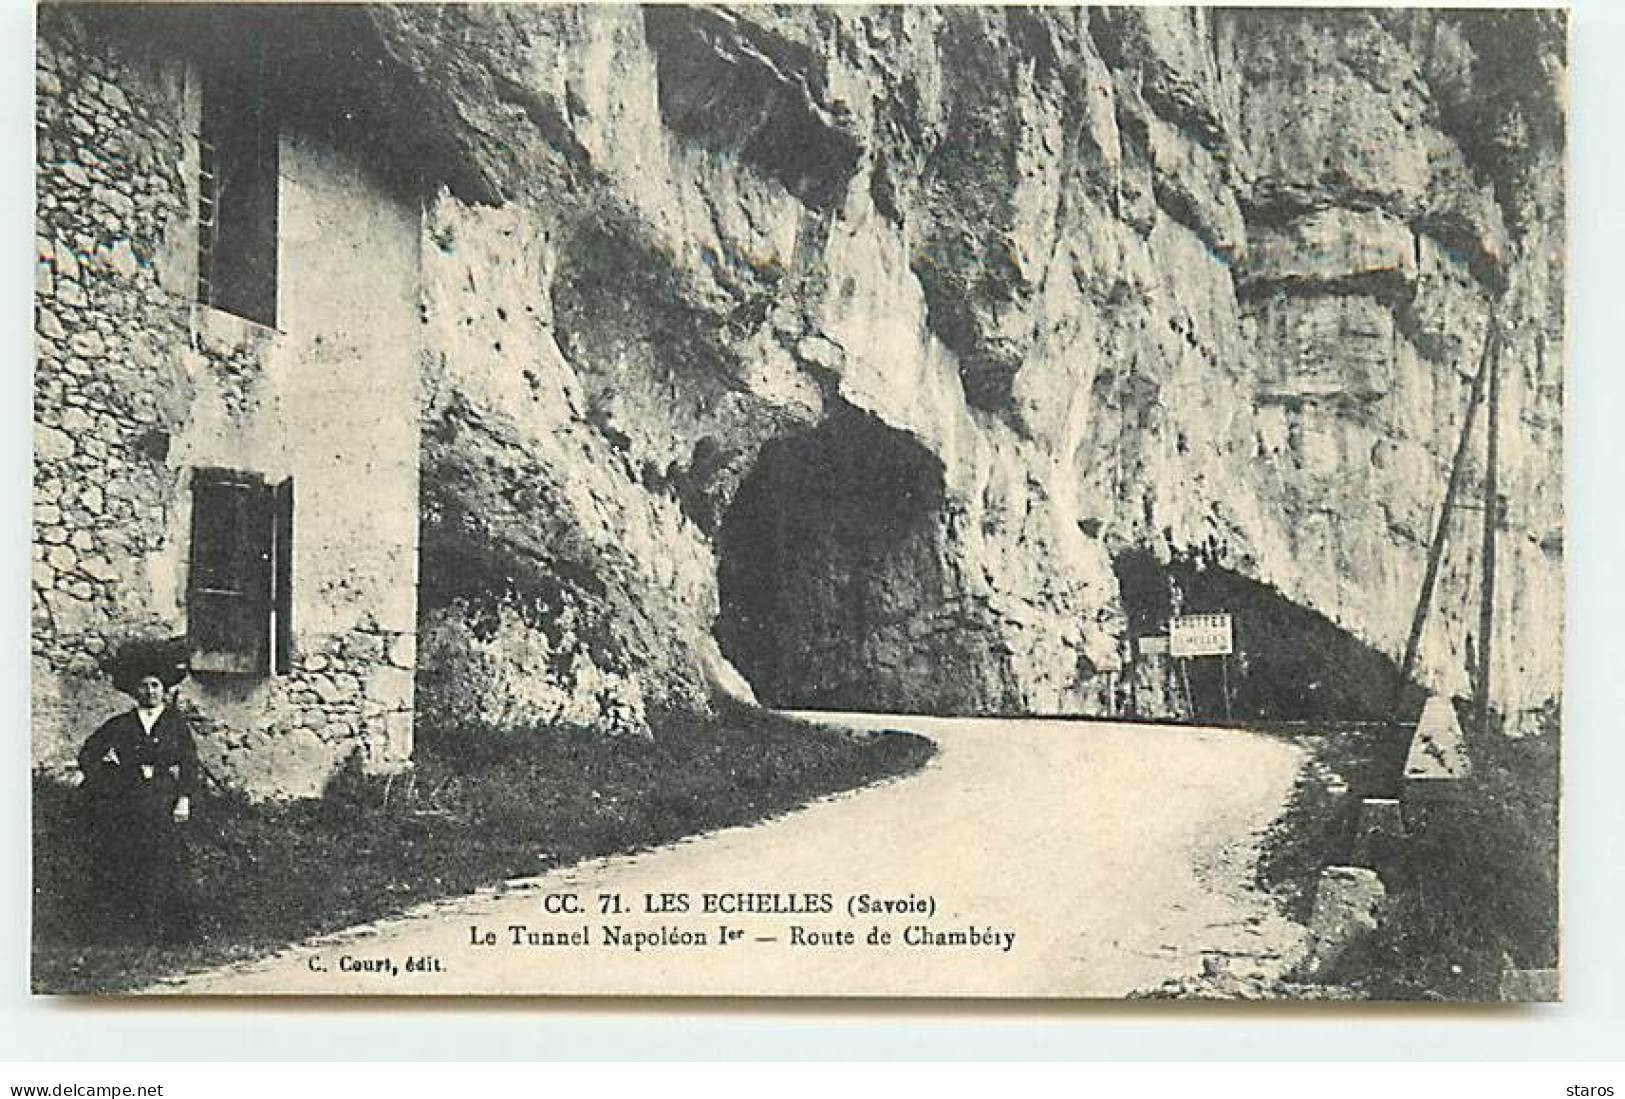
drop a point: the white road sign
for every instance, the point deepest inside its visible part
(1200, 635)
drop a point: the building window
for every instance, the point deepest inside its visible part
(239, 604)
(237, 194)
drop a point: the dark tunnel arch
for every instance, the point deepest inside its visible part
(828, 549)
(1291, 662)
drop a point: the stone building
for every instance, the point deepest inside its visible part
(226, 392)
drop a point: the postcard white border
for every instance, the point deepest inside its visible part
(1586, 1027)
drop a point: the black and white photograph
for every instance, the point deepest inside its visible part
(922, 502)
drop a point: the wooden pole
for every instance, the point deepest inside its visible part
(1436, 548)
(1185, 674)
(1224, 681)
(1492, 522)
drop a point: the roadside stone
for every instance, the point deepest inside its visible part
(1349, 903)
(315, 662)
(62, 558)
(1438, 750)
(75, 174)
(1379, 834)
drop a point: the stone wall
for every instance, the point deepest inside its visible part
(541, 600)
(137, 385)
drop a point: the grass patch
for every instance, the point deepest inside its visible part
(480, 807)
(1317, 828)
(1473, 885)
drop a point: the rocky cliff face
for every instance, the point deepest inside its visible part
(858, 349)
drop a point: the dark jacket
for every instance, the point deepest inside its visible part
(121, 762)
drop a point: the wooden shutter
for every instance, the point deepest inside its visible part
(229, 582)
(237, 211)
(282, 577)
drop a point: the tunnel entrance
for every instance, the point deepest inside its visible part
(1291, 663)
(828, 563)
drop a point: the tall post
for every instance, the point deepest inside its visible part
(1492, 522)
(1436, 548)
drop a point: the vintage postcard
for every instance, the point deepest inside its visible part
(863, 501)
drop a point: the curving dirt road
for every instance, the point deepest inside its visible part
(1058, 859)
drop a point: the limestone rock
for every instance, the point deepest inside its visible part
(1261, 289)
(854, 356)
(1380, 817)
